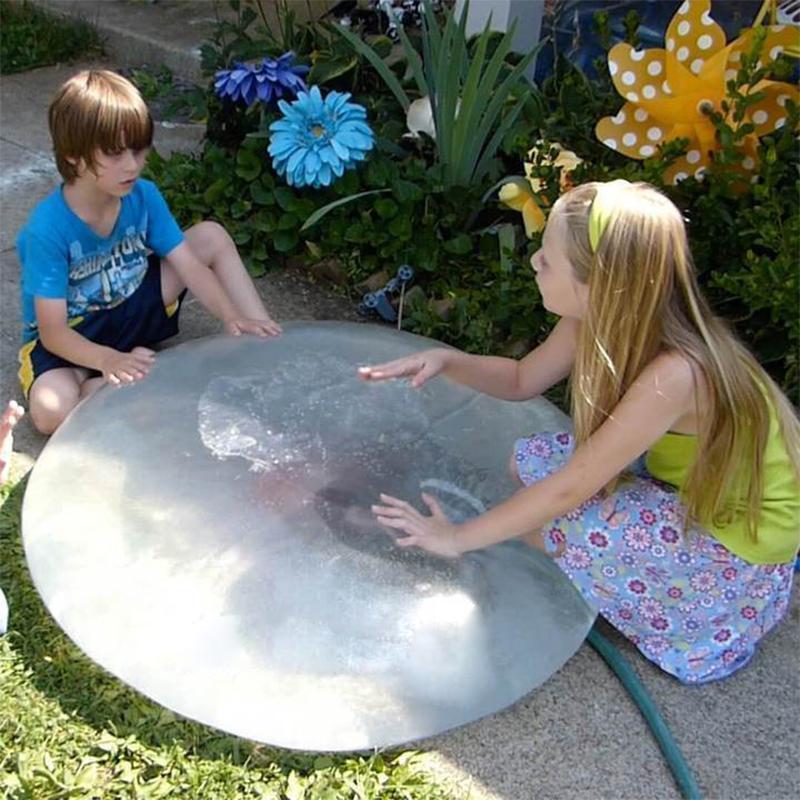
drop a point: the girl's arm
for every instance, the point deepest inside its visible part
(505, 378)
(663, 393)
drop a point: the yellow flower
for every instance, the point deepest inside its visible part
(525, 194)
(517, 194)
(566, 161)
(669, 91)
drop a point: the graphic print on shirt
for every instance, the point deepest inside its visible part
(102, 279)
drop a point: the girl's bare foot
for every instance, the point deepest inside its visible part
(11, 416)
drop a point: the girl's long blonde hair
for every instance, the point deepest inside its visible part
(643, 300)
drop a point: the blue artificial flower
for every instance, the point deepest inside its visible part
(316, 141)
(267, 81)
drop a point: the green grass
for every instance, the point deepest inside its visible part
(69, 730)
(32, 38)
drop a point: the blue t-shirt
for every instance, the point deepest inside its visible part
(63, 258)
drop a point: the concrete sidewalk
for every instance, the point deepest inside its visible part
(578, 736)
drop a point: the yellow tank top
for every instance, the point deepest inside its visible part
(778, 527)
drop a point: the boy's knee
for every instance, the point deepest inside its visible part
(48, 408)
(212, 233)
(47, 421)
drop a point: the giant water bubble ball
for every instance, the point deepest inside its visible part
(205, 535)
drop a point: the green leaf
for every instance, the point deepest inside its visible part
(324, 71)
(459, 245)
(248, 164)
(239, 208)
(506, 235)
(386, 208)
(262, 222)
(288, 222)
(354, 233)
(415, 62)
(382, 45)
(295, 787)
(285, 241)
(284, 197)
(400, 227)
(321, 212)
(261, 195)
(380, 66)
(215, 192)
(406, 191)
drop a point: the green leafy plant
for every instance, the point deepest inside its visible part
(33, 37)
(468, 91)
(473, 285)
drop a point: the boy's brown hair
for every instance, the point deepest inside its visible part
(96, 109)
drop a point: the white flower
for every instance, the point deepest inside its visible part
(419, 119)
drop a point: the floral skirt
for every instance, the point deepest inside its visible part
(688, 603)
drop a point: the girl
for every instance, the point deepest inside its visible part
(689, 550)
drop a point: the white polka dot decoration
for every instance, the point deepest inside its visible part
(637, 73)
(769, 114)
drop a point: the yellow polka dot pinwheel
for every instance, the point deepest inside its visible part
(670, 91)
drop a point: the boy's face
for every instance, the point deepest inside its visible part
(562, 293)
(114, 173)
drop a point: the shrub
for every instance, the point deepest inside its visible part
(470, 255)
(33, 38)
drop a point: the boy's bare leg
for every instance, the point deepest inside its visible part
(213, 246)
(11, 416)
(53, 395)
(90, 386)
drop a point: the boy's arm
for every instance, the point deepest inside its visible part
(205, 286)
(61, 340)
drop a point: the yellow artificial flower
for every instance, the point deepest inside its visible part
(669, 91)
(566, 161)
(518, 195)
(525, 195)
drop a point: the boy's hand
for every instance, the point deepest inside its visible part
(258, 327)
(120, 368)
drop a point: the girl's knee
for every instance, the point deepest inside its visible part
(513, 469)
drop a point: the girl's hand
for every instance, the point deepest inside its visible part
(420, 367)
(435, 533)
(120, 367)
(258, 327)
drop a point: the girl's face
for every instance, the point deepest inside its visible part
(562, 293)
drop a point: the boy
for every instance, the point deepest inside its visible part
(93, 301)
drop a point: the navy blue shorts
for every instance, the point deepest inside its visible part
(140, 321)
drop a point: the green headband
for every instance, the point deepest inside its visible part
(603, 207)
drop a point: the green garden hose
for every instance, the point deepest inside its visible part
(669, 747)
